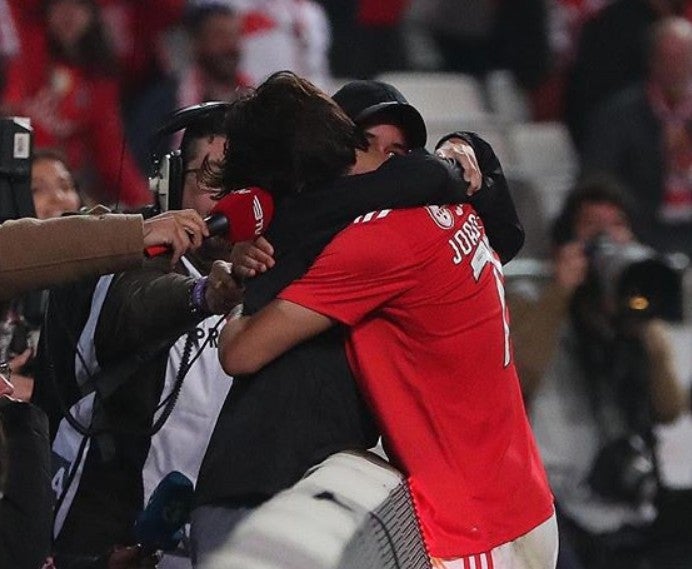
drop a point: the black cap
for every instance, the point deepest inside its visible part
(363, 100)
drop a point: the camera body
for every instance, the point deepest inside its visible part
(625, 471)
(636, 280)
(166, 181)
(16, 143)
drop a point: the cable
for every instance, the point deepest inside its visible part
(172, 399)
(168, 402)
(194, 358)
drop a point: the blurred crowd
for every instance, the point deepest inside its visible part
(98, 77)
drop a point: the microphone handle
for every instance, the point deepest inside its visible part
(216, 223)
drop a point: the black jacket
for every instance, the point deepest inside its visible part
(25, 509)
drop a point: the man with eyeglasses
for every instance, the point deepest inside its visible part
(166, 323)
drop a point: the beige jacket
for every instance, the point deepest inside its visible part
(42, 253)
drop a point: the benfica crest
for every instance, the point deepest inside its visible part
(441, 215)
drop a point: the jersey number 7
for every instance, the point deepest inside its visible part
(483, 256)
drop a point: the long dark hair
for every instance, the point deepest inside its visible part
(287, 137)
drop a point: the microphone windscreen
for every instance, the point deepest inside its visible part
(159, 525)
(249, 212)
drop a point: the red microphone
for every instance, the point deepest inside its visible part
(241, 215)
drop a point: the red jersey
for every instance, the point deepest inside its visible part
(422, 293)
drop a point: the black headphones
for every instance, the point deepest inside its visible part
(167, 180)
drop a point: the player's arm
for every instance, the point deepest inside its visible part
(338, 288)
(249, 343)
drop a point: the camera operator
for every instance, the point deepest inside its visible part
(151, 331)
(596, 378)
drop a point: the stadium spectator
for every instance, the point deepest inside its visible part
(65, 81)
(611, 55)
(640, 137)
(283, 34)
(565, 20)
(53, 188)
(367, 37)
(215, 31)
(142, 36)
(136, 31)
(212, 73)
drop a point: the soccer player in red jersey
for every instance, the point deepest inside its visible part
(421, 292)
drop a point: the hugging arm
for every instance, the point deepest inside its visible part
(493, 202)
(249, 343)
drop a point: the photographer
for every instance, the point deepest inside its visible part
(596, 377)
